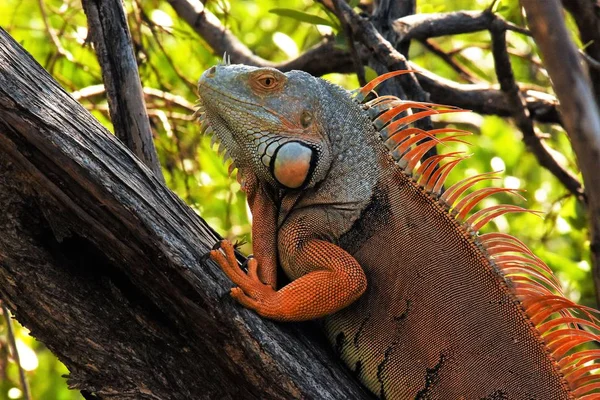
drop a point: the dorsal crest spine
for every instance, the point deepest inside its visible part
(562, 324)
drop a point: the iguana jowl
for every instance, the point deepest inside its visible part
(417, 303)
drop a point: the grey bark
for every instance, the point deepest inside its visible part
(112, 41)
(105, 265)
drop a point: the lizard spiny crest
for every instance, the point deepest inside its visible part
(562, 324)
(278, 137)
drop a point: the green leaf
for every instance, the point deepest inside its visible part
(302, 16)
(370, 74)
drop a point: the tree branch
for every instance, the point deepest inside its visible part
(319, 60)
(448, 59)
(172, 99)
(585, 14)
(106, 266)
(521, 115)
(325, 58)
(484, 99)
(426, 26)
(578, 105)
(112, 41)
(15, 353)
(381, 50)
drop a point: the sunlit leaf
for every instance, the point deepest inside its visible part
(301, 16)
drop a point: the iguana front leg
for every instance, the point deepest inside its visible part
(333, 279)
(261, 201)
(329, 277)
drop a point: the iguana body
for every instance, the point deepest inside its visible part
(414, 301)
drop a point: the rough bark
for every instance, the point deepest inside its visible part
(105, 265)
(112, 41)
(586, 16)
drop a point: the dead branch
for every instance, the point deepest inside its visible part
(325, 58)
(112, 42)
(106, 266)
(426, 26)
(449, 59)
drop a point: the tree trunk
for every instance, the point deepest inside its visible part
(105, 266)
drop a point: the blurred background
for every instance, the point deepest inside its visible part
(171, 57)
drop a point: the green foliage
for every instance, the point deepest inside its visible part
(171, 58)
(304, 17)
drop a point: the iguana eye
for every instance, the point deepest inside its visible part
(267, 81)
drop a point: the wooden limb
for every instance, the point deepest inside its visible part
(578, 105)
(384, 15)
(382, 50)
(480, 98)
(484, 99)
(425, 26)
(219, 38)
(585, 14)
(393, 9)
(522, 117)
(106, 266)
(326, 58)
(112, 42)
(321, 59)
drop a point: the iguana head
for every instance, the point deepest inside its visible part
(268, 122)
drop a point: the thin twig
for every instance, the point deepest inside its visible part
(455, 65)
(172, 99)
(15, 353)
(590, 60)
(60, 50)
(360, 70)
(152, 26)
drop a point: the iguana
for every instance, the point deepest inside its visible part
(416, 302)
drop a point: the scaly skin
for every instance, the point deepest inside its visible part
(413, 302)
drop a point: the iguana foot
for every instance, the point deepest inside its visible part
(251, 293)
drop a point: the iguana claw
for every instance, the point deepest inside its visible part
(251, 293)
